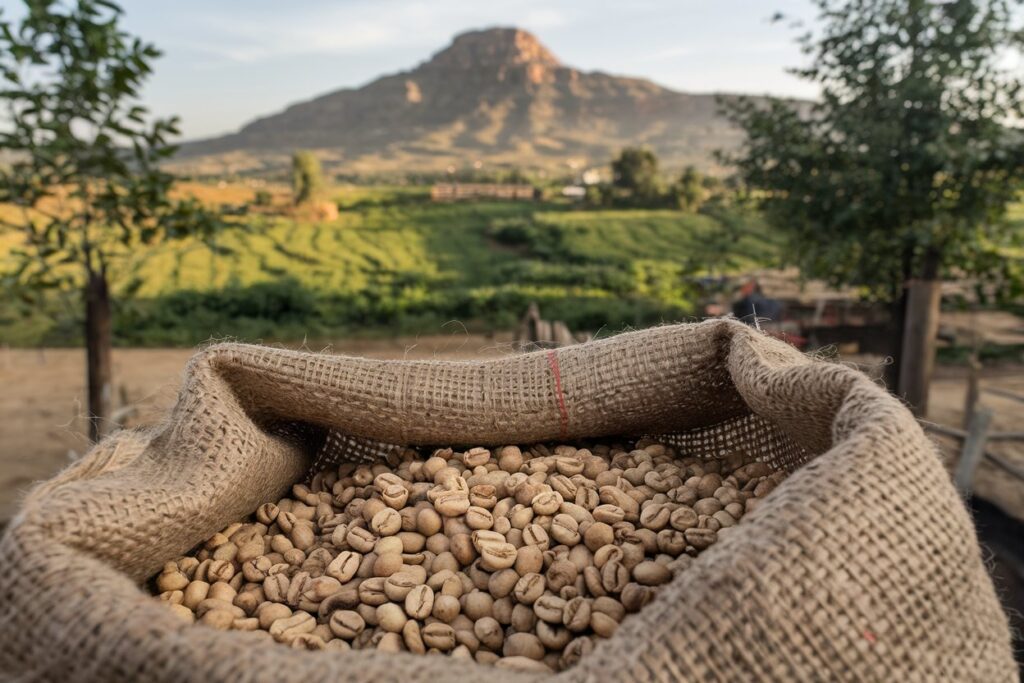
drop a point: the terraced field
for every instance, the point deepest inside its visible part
(395, 262)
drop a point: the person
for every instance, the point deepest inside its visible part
(753, 305)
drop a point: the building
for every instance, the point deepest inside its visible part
(450, 192)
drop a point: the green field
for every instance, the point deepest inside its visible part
(393, 262)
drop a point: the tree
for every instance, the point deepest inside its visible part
(689, 191)
(262, 198)
(901, 172)
(636, 170)
(84, 167)
(307, 178)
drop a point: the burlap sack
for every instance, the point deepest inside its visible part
(862, 566)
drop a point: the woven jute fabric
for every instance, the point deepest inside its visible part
(862, 565)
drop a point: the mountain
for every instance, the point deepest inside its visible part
(495, 96)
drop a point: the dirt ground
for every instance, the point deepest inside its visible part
(42, 429)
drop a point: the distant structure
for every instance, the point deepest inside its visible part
(535, 332)
(451, 192)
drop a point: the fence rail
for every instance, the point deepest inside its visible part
(974, 439)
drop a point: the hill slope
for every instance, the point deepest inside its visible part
(497, 96)
(395, 262)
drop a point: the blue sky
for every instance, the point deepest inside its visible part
(226, 62)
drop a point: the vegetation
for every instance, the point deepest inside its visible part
(84, 179)
(262, 198)
(690, 190)
(635, 171)
(307, 177)
(904, 168)
(637, 182)
(394, 262)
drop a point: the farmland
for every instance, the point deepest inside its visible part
(393, 262)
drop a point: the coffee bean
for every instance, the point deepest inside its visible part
(479, 518)
(502, 582)
(614, 576)
(651, 573)
(707, 506)
(361, 540)
(428, 522)
(565, 530)
(602, 624)
(412, 637)
(700, 538)
(438, 635)
(523, 645)
(634, 596)
(673, 542)
(529, 588)
(477, 604)
(298, 623)
(446, 608)
(597, 535)
(523, 618)
(534, 535)
(387, 564)
(451, 503)
(606, 553)
(419, 602)
(498, 556)
(546, 503)
(576, 614)
(553, 636)
(463, 548)
(387, 522)
(269, 612)
(549, 608)
(346, 624)
(510, 459)
(655, 517)
(517, 560)
(391, 617)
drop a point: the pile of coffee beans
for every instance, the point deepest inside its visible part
(518, 557)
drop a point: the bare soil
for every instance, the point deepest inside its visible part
(42, 404)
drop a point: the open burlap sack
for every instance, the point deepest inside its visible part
(863, 565)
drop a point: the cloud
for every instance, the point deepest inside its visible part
(264, 33)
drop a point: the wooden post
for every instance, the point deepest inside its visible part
(918, 352)
(971, 398)
(973, 451)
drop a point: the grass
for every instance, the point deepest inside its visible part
(394, 262)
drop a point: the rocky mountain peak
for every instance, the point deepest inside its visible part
(494, 47)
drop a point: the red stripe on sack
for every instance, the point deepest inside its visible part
(562, 410)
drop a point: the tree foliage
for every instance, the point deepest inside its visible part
(689, 191)
(635, 170)
(905, 165)
(85, 174)
(307, 177)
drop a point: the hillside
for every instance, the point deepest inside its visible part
(394, 262)
(497, 96)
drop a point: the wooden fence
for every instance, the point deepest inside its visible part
(977, 434)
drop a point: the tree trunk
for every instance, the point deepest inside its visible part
(917, 357)
(897, 323)
(97, 351)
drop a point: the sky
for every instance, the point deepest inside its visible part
(227, 62)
